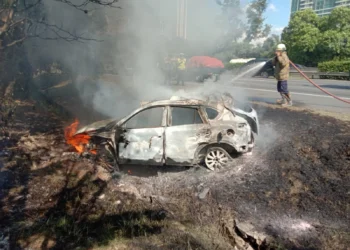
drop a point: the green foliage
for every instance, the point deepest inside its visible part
(240, 50)
(225, 56)
(334, 66)
(269, 46)
(233, 28)
(230, 23)
(247, 50)
(302, 36)
(336, 29)
(232, 66)
(339, 19)
(311, 39)
(256, 20)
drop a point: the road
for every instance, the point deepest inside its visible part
(303, 93)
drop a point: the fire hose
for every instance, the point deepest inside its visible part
(317, 86)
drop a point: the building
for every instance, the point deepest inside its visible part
(187, 19)
(182, 18)
(321, 7)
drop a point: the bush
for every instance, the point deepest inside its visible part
(232, 66)
(334, 77)
(334, 66)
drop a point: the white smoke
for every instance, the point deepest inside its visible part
(148, 28)
(120, 69)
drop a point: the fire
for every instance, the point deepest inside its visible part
(77, 141)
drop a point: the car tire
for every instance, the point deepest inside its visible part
(216, 158)
(264, 74)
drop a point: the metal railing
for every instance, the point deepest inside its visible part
(323, 75)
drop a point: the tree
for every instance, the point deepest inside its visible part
(311, 39)
(256, 27)
(230, 22)
(22, 19)
(235, 29)
(336, 32)
(302, 37)
(269, 46)
(339, 19)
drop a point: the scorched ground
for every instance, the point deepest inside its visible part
(292, 193)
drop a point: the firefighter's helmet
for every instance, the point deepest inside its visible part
(281, 47)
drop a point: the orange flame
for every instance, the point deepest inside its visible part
(77, 141)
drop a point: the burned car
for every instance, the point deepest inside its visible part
(179, 131)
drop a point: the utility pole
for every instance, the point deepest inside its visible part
(181, 20)
(161, 31)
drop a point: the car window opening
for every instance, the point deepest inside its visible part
(185, 116)
(149, 118)
(211, 113)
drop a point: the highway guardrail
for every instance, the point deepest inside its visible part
(324, 75)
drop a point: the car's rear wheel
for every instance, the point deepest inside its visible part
(216, 158)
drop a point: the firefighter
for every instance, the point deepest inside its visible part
(167, 70)
(172, 65)
(281, 63)
(181, 67)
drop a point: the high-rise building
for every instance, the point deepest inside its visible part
(173, 17)
(321, 7)
(188, 19)
(185, 19)
(182, 19)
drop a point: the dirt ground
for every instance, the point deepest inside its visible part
(292, 193)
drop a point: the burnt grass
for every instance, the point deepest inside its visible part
(311, 160)
(294, 189)
(303, 175)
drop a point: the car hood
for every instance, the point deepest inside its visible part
(98, 127)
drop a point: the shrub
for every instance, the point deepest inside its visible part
(232, 66)
(334, 66)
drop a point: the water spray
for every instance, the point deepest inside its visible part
(259, 65)
(317, 86)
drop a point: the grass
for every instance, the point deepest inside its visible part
(67, 230)
(337, 240)
(79, 219)
(76, 222)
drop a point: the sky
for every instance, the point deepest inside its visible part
(277, 14)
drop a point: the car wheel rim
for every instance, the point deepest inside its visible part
(216, 159)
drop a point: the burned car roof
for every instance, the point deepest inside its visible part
(215, 101)
(182, 102)
(209, 100)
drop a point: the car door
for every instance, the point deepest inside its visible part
(143, 137)
(186, 129)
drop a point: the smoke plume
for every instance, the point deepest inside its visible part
(119, 67)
